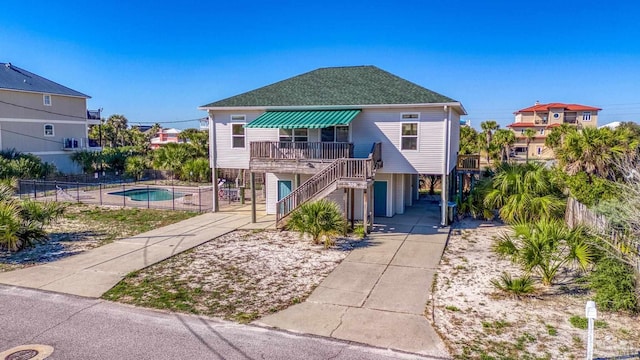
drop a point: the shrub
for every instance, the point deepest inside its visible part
(614, 284)
(514, 286)
(320, 219)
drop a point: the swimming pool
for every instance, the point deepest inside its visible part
(150, 194)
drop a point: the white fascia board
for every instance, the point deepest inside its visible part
(43, 121)
(334, 107)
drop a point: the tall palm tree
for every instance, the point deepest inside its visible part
(504, 140)
(488, 128)
(119, 124)
(591, 150)
(556, 137)
(529, 135)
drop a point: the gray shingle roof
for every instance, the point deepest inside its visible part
(352, 85)
(15, 78)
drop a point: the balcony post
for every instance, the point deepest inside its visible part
(253, 197)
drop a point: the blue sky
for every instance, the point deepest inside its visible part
(158, 63)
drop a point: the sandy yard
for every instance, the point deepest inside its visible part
(240, 276)
(477, 321)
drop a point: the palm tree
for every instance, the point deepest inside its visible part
(591, 150)
(322, 218)
(529, 135)
(556, 137)
(504, 140)
(171, 157)
(546, 246)
(135, 166)
(119, 124)
(469, 141)
(488, 127)
(524, 192)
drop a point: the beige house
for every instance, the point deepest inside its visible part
(542, 118)
(44, 118)
(357, 135)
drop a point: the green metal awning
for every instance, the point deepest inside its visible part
(310, 119)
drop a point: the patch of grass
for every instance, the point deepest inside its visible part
(117, 223)
(581, 322)
(551, 330)
(496, 327)
(452, 308)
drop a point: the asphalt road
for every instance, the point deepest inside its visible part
(81, 328)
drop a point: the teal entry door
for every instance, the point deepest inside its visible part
(380, 198)
(284, 188)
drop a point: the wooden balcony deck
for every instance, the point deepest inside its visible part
(468, 163)
(298, 157)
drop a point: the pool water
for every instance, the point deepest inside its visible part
(151, 194)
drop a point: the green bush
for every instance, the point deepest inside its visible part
(581, 322)
(514, 286)
(614, 284)
(320, 219)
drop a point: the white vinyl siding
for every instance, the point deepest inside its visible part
(383, 125)
(454, 144)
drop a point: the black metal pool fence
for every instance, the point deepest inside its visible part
(138, 195)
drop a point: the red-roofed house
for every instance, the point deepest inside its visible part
(543, 118)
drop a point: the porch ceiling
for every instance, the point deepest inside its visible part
(310, 119)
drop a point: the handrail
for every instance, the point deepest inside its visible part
(343, 168)
(468, 162)
(286, 150)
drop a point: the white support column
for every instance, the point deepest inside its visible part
(444, 201)
(365, 210)
(213, 164)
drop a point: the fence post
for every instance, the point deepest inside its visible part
(100, 187)
(148, 197)
(199, 200)
(173, 197)
(35, 190)
(124, 197)
(20, 189)
(77, 191)
(55, 189)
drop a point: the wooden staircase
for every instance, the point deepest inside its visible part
(341, 173)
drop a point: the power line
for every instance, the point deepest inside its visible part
(85, 118)
(30, 136)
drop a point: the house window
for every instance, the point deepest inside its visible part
(239, 118)
(409, 136)
(297, 135)
(48, 130)
(541, 131)
(237, 136)
(46, 100)
(335, 134)
(521, 131)
(410, 116)
(539, 150)
(586, 116)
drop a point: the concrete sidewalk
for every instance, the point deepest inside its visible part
(94, 272)
(378, 294)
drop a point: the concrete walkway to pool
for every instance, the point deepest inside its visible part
(94, 272)
(378, 294)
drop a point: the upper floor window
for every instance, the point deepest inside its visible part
(409, 137)
(237, 136)
(335, 134)
(522, 131)
(46, 100)
(586, 116)
(410, 116)
(297, 135)
(541, 131)
(48, 130)
(238, 117)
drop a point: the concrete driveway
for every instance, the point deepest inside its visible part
(378, 294)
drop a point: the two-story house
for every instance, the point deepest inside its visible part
(41, 117)
(542, 118)
(358, 135)
(165, 136)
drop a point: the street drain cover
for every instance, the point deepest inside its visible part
(27, 352)
(22, 355)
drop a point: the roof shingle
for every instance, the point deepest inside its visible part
(15, 78)
(352, 85)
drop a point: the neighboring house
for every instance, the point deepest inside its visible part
(41, 117)
(543, 118)
(359, 135)
(165, 136)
